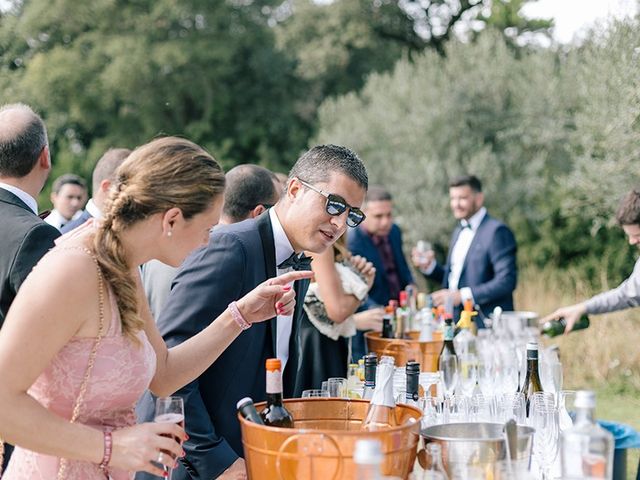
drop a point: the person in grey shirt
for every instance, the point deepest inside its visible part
(627, 294)
(250, 190)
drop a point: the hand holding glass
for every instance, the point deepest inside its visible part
(169, 410)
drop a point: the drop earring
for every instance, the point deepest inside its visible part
(169, 233)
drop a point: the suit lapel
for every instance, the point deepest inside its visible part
(269, 249)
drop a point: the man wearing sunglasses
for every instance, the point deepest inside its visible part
(324, 192)
(379, 240)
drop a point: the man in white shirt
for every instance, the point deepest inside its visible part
(481, 265)
(24, 167)
(104, 174)
(68, 196)
(324, 193)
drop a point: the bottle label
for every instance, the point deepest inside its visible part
(383, 394)
(274, 381)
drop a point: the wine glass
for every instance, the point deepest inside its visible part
(450, 374)
(169, 410)
(468, 373)
(545, 441)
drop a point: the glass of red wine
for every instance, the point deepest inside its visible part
(170, 410)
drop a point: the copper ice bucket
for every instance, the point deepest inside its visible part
(321, 445)
(402, 350)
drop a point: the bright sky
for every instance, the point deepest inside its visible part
(573, 16)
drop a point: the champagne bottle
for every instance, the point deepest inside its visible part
(532, 383)
(382, 407)
(553, 328)
(448, 361)
(447, 346)
(248, 410)
(412, 395)
(370, 364)
(275, 414)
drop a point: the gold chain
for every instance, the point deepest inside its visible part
(92, 356)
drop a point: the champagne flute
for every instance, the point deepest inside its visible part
(170, 410)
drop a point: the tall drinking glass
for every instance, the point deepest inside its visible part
(169, 410)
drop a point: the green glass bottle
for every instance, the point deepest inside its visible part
(553, 328)
(532, 383)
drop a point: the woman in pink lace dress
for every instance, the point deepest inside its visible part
(79, 346)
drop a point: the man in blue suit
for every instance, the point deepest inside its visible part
(379, 240)
(324, 192)
(481, 264)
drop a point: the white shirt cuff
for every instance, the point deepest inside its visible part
(465, 294)
(430, 268)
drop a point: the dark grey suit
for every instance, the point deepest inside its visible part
(237, 259)
(24, 239)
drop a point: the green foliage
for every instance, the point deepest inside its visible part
(113, 73)
(553, 135)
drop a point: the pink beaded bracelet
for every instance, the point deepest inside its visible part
(108, 444)
(237, 316)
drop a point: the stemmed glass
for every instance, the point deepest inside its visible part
(169, 410)
(450, 374)
(545, 442)
(468, 373)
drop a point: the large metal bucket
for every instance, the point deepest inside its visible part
(427, 353)
(321, 445)
(480, 447)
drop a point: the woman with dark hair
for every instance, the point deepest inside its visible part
(79, 345)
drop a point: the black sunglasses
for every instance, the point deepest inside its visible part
(336, 205)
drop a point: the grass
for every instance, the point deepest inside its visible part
(604, 358)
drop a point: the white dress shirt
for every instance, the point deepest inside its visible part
(55, 218)
(460, 250)
(22, 195)
(284, 322)
(93, 209)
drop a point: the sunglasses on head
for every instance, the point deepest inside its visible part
(336, 205)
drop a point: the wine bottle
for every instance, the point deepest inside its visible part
(448, 346)
(586, 449)
(368, 459)
(275, 414)
(412, 395)
(387, 326)
(382, 407)
(532, 383)
(248, 410)
(370, 364)
(553, 328)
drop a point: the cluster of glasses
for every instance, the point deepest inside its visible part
(549, 415)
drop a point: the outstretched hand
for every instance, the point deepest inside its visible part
(571, 315)
(272, 297)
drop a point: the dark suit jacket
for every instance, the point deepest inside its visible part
(489, 268)
(24, 239)
(360, 243)
(237, 259)
(67, 227)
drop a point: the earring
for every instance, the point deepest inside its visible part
(169, 233)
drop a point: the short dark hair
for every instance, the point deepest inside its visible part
(20, 144)
(66, 179)
(248, 186)
(377, 193)
(317, 164)
(107, 165)
(629, 210)
(466, 181)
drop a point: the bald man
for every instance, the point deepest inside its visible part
(24, 167)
